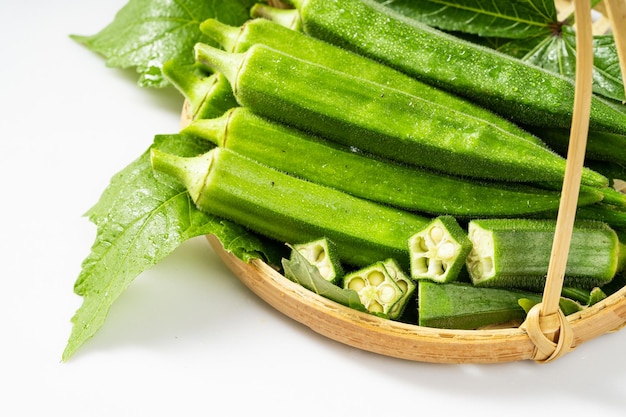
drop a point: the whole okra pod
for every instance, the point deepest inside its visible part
(381, 119)
(289, 209)
(408, 187)
(523, 92)
(297, 44)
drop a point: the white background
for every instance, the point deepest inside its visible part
(187, 338)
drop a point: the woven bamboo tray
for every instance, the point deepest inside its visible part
(544, 336)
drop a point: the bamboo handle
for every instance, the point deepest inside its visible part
(545, 324)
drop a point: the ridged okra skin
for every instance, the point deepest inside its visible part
(516, 253)
(315, 159)
(467, 307)
(381, 119)
(291, 210)
(297, 44)
(523, 92)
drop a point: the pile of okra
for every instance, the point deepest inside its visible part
(416, 170)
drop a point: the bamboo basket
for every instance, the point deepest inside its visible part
(545, 335)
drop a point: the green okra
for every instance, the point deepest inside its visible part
(381, 119)
(262, 31)
(315, 159)
(289, 209)
(466, 307)
(516, 253)
(322, 253)
(584, 297)
(207, 95)
(611, 215)
(405, 284)
(377, 290)
(520, 91)
(601, 146)
(438, 251)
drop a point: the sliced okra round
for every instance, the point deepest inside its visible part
(377, 290)
(438, 252)
(322, 254)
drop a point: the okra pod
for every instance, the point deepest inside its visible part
(525, 93)
(381, 119)
(467, 307)
(516, 253)
(297, 44)
(317, 160)
(289, 209)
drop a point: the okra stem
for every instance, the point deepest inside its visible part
(220, 61)
(225, 35)
(288, 18)
(208, 95)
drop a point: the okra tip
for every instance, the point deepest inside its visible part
(224, 35)
(190, 171)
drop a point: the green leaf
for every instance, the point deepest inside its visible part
(558, 54)
(506, 19)
(147, 33)
(302, 272)
(141, 218)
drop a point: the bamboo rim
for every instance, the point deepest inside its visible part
(545, 335)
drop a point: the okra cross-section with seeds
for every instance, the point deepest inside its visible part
(405, 283)
(377, 290)
(516, 253)
(438, 251)
(322, 253)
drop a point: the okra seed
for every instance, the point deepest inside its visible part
(403, 285)
(374, 307)
(375, 278)
(436, 234)
(357, 284)
(446, 250)
(386, 293)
